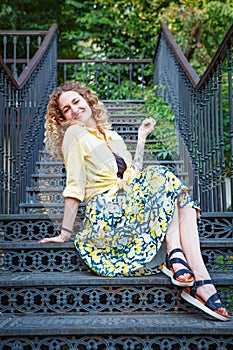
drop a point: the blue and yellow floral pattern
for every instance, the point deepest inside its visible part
(123, 233)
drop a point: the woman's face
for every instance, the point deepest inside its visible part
(75, 108)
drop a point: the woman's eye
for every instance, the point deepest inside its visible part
(76, 101)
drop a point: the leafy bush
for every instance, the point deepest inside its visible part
(164, 134)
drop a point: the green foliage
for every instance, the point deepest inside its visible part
(198, 27)
(112, 81)
(164, 134)
(124, 29)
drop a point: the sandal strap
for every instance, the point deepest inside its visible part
(182, 272)
(179, 261)
(193, 288)
(176, 250)
(211, 302)
(203, 282)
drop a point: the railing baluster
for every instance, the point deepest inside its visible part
(130, 80)
(229, 69)
(4, 48)
(39, 40)
(142, 67)
(28, 48)
(213, 127)
(64, 72)
(217, 143)
(119, 80)
(107, 79)
(75, 71)
(14, 63)
(97, 77)
(86, 66)
(209, 147)
(195, 159)
(221, 141)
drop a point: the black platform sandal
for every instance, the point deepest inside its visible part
(210, 306)
(174, 276)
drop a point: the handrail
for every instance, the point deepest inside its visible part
(218, 57)
(36, 58)
(8, 73)
(191, 73)
(109, 60)
(23, 32)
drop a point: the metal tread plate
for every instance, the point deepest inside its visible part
(87, 278)
(33, 244)
(170, 324)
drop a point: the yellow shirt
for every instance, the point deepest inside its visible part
(91, 167)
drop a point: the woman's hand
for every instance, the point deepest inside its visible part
(146, 128)
(55, 239)
(70, 211)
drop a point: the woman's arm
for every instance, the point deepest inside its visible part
(70, 212)
(144, 130)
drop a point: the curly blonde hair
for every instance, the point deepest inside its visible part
(56, 125)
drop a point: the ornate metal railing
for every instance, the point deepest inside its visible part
(22, 109)
(18, 47)
(112, 79)
(203, 109)
(204, 117)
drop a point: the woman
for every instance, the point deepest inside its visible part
(133, 217)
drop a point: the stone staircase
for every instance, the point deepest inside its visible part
(50, 299)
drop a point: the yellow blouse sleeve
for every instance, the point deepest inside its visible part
(74, 159)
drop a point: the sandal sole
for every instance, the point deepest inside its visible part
(202, 307)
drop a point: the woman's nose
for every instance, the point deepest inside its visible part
(73, 110)
(76, 108)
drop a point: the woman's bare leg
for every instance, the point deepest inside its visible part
(190, 244)
(173, 241)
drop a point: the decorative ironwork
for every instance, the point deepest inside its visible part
(98, 342)
(27, 227)
(64, 259)
(98, 73)
(18, 47)
(198, 106)
(93, 299)
(22, 110)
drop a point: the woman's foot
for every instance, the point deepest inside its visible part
(204, 296)
(174, 268)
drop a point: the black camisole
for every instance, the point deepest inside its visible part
(121, 165)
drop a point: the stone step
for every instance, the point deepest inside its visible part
(31, 256)
(148, 157)
(51, 179)
(86, 293)
(109, 325)
(134, 118)
(122, 103)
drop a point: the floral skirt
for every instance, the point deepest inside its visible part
(123, 234)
